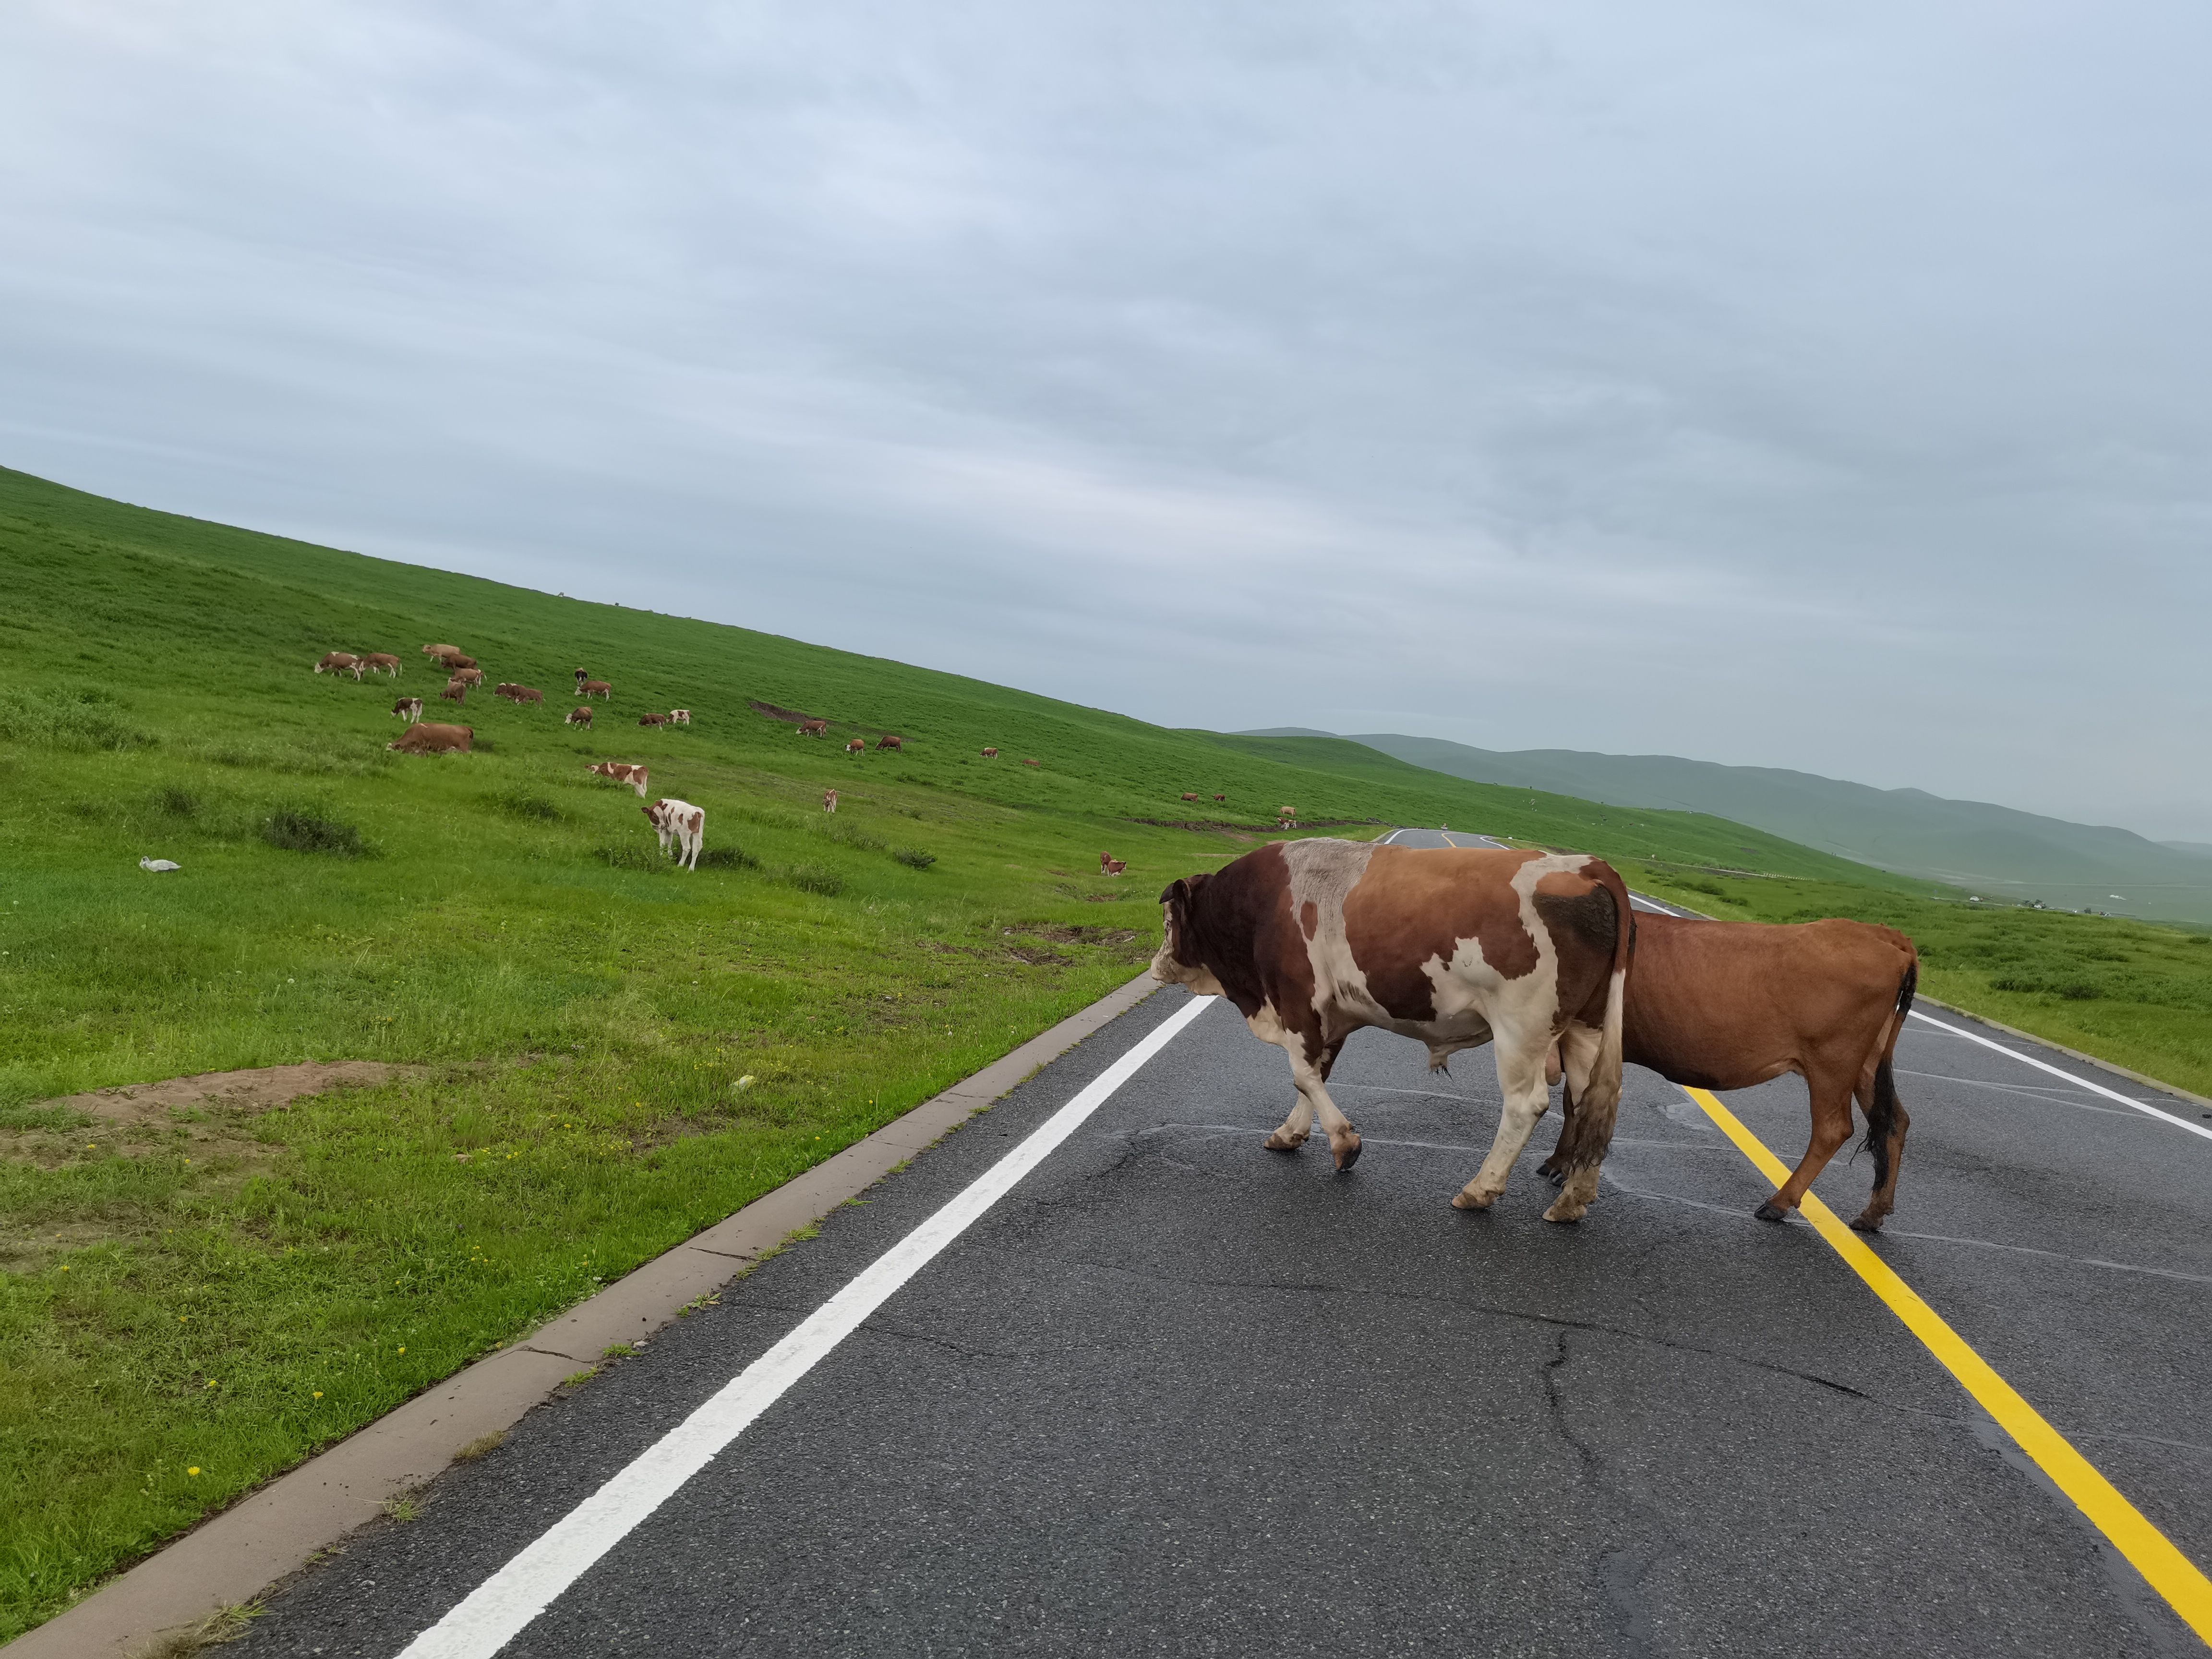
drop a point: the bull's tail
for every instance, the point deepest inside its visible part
(1882, 1111)
(1587, 1134)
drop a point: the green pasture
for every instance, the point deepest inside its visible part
(603, 1054)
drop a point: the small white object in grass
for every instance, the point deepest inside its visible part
(746, 1081)
(159, 865)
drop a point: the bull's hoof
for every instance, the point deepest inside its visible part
(1566, 1209)
(1467, 1198)
(1868, 1223)
(1552, 1169)
(1346, 1154)
(1280, 1142)
(1771, 1210)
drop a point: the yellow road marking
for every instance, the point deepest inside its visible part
(2169, 1572)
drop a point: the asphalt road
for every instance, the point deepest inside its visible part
(1174, 1394)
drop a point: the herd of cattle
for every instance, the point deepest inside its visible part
(1540, 954)
(676, 821)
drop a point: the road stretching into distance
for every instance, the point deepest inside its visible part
(1098, 1375)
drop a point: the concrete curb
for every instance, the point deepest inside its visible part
(234, 1556)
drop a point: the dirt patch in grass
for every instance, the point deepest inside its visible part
(259, 1090)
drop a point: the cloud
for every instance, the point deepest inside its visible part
(1820, 390)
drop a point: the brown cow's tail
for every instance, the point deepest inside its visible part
(1882, 1110)
(1588, 1134)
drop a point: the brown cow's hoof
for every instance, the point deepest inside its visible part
(1280, 1142)
(1866, 1224)
(1347, 1154)
(1771, 1210)
(1566, 1209)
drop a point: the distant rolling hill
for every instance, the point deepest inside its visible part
(1996, 851)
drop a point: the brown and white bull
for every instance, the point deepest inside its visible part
(1314, 939)
(680, 822)
(622, 772)
(431, 738)
(1731, 1004)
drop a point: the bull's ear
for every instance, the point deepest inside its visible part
(1176, 892)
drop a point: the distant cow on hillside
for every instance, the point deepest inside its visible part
(455, 691)
(442, 650)
(857, 747)
(990, 754)
(580, 715)
(653, 720)
(681, 822)
(409, 709)
(1190, 794)
(527, 693)
(814, 728)
(680, 717)
(599, 689)
(1221, 798)
(622, 772)
(1110, 866)
(454, 660)
(339, 662)
(381, 662)
(891, 742)
(430, 739)
(1031, 763)
(472, 678)
(828, 801)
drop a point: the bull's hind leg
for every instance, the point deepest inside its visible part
(1829, 1090)
(1886, 1123)
(1573, 1052)
(1520, 1081)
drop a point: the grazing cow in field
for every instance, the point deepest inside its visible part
(828, 801)
(599, 689)
(990, 754)
(527, 693)
(339, 662)
(456, 690)
(622, 772)
(381, 662)
(506, 688)
(681, 822)
(814, 728)
(1031, 763)
(680, 717)
(1110, 866)
(454, 661)
(472, 678)
(857, 747)
(653, 720)
(891, 742)
(1731, 1004)
(580, 715)
(431, 738)
(1314, 939)
(1221, 798)
(409, 709)
(1190, 794)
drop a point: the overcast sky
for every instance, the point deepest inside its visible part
(1823, 386)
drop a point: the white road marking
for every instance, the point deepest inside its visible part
(497, 1610)
(2144, 1107)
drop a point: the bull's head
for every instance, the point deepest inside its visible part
(1178, 962)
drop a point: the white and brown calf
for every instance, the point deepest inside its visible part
(680, 717)
(680, 822)
(409, 709)
(1314, 939)
(828, 801)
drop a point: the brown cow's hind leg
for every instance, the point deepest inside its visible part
(1831, 1128)
(1886, 1123)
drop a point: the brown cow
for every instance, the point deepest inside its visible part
(857, 747)
(455, 691)
(814, 728)
(1110, 866)
(622, 772)
(828, 801)
(653, 720)
(527, 693)
(1731, 1004)
(409, 709)
(1030, 762)
(990, 754)
(472, 678)
(1314, 939)
(442, 650)
(580, 715)
(891, 742)
(1221, 798)
(431, 738)
(339, 662)
(454, 661)
(599, 689)
(381, 662)
(1190, 794)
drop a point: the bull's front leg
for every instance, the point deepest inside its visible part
(1311, 1064)
(1520, 1081)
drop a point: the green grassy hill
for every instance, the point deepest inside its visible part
(605, 1055)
